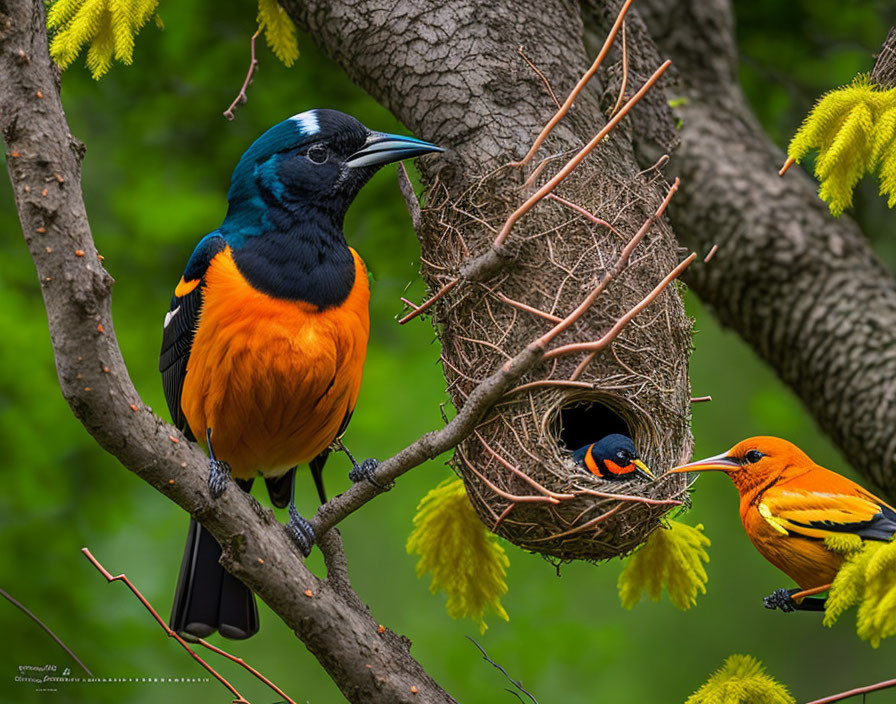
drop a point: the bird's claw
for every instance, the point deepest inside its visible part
(301, 531)
(781, 599)
(218, 476)
(365, 470)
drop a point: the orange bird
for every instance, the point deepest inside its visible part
(789, 505)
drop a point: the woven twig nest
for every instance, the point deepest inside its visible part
(517, 466)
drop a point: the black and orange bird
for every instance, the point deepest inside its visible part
(613, 458)
(789, 505)
(265, 339)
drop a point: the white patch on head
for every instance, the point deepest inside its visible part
(169, 315)
(307, 122)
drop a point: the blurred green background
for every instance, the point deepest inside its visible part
(159, 157)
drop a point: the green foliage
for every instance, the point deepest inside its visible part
(741, 680)
(279, 31)
(108, 26)
(673, 557)
(852, 128)
(466, 561)
(867, 578)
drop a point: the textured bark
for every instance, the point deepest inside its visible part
(884, 71)
(44, 162)
(802, 288)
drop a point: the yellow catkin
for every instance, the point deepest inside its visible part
(673, 558)
(867, 578)
(741, 680)
(853, 130)
(279, 31)
(106, 27)
(466, 561)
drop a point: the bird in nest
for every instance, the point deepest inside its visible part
(794, 510)
(613, 458)
(266, 335)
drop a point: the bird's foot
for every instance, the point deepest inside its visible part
(783, 599)
(300, 530)
(218, 476)
(365, 470)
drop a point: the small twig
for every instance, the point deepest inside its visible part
(624, 73)
(579, 209)
(247, 666)
(578, 88)
(787, 164)
(515, 683)
(24, 609)
(527, 308)
(409, 195)
(886, 684)
(580, 156)
(427, 303)
(172, 634)
(544, 79)
(710, 254)
(551, 382)
(241, 97)
(700, 399)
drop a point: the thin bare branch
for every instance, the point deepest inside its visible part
(886, 684)
(543, 78)
(527, 308)
(242, 663)
(427, 303)
(168, 631)
(624, 73)
(516, 683)
(24, 609)
(241, 97)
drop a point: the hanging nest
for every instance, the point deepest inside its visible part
(517, 465)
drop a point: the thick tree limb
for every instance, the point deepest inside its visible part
(44, 166)
(804, 289)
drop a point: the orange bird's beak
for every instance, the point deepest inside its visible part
(718, 463)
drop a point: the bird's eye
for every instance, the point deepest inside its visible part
(621, 455)
(753, 456)
(318, 154)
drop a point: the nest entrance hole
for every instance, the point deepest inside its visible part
(583, 423)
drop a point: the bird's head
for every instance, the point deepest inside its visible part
(752, 462)
(613, 457)
(318, 159)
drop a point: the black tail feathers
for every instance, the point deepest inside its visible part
(208, 598)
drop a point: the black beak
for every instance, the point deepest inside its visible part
(381, 148)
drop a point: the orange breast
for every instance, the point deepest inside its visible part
(273, 379)
(806, 562)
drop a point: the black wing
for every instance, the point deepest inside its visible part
(177, 341)
(180, 326)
